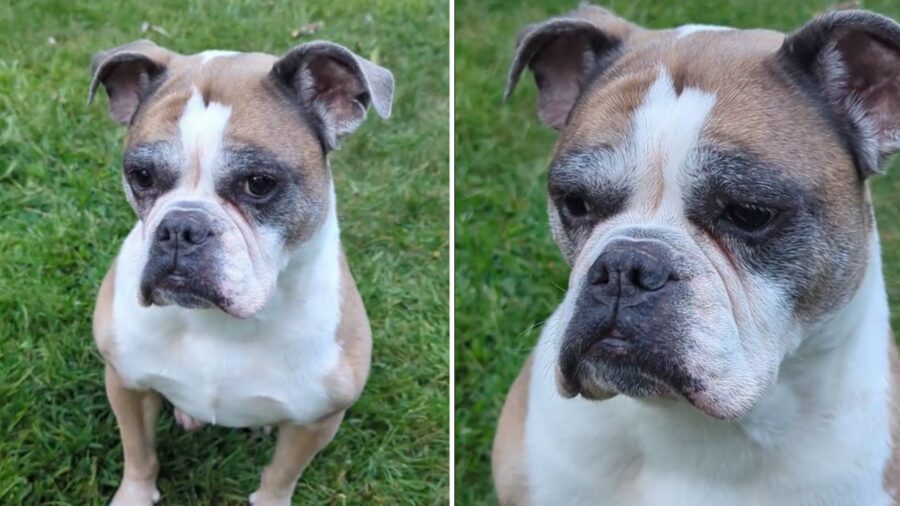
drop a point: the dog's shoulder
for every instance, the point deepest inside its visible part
(507, 458)
(354, 335)
(103, 314)
(892, 472)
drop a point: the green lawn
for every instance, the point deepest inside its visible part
(509, 274)
(63, 216)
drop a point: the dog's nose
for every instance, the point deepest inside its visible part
(629, 269)
(183, 231)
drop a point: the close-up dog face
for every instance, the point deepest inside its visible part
(225, 161)
(713, 213)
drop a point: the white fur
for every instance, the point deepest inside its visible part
(666, 129)
(202, 131)
(688, 30)
(233, 372)
(214, 53)
(817, 433)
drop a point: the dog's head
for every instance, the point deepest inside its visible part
(226, 160)
(708, 190)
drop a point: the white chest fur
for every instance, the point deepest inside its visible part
(234, 372)
(820, 437)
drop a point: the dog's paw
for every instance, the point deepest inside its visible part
(264, 498)
(186, 422)
(136, 493)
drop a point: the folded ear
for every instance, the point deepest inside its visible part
(336, 85)
(852, 58)
(128, 73)
(563, 52)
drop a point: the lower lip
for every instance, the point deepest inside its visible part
(613, 345)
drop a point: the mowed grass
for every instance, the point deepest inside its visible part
(63, 217)
(509, 274)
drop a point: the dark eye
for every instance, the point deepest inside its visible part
(749, 217)
(576, 206)
(259, 186)
(141, 179)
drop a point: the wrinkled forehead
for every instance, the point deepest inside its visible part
(227, 95)
(677, 90)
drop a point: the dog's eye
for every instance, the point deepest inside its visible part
(750, 217)
(576, 206)
(141, 179)
(259, 186)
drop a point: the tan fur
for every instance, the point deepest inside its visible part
(102, 322)
(604, 116)
(254, 109)
(346, 381)
(136, 413)
(296, 447)
(242, 83)
(507, 459)
(892, 472)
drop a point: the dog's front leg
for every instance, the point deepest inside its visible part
(296, 447)
(136, 413)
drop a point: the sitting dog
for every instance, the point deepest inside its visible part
(724, 339)
(231, 297)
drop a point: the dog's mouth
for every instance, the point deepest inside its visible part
(610, 367)
(173, 287)
(596, 378)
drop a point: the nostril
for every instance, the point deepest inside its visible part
(196, 236)
(634, 277)
(163, 234)
(600, 275)
(653, 279)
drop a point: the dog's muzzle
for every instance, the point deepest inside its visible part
(625, 334)
(181, 264)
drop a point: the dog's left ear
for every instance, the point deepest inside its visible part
(852, 58)
(336, 86)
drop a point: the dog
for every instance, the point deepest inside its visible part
(231, 297)
(724, 337)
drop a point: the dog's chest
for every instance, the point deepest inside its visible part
(621, 463)
(233, 378)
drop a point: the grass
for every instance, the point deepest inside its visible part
(63, 216)
(509, 273)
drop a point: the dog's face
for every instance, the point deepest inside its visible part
(225, 160)
(708, 190)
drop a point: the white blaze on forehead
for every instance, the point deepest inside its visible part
(666, 131)
(214, 53)
(202, 129)
(686, 30)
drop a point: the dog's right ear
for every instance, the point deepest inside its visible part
(563, 52)
(128, 72)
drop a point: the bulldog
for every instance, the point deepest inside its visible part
(724, 337)
(231, 297)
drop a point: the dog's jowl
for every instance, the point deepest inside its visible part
(231, 297)
(724, 338)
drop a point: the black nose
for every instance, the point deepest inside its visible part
(630, 268)
(183, 231)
